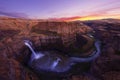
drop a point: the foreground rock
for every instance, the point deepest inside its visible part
(106, 67)
(44, 35)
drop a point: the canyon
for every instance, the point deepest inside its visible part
(70, 38)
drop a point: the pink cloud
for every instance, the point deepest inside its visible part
(14, 14)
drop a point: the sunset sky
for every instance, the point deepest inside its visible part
(61, 9)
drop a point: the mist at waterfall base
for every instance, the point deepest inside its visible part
(46, 62)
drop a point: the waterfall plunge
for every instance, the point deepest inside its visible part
(58, 64)
(34, 54)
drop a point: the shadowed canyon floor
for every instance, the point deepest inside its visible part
(67, 35)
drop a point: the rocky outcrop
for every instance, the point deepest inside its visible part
(44, 35)
(69, 37)
(61, 27)
(67, 30)
(107, 65)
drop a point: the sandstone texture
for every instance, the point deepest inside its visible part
(106, 67)
(67, 35)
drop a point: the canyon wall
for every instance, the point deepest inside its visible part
(56, 35)
(44, 35)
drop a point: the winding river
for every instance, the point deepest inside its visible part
(53, 62)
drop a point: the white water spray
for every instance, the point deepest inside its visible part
(34, 54)
(55, 63)
(58, 64)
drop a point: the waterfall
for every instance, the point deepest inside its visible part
(34, 54)
(55, 63)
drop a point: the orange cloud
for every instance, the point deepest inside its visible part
(71, 18)
(90, 17)
(66, 18)
(100, 14)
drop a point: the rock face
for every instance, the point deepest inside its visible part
(44, 35)
(107, 65)
(64, 34)
(67, 36)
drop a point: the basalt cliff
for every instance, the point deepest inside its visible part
(70, 38)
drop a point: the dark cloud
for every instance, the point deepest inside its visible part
(14, 14)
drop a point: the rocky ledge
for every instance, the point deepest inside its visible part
(70, 37)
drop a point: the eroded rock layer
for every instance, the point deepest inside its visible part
(67, 36)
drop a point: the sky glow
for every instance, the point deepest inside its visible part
(61, 9)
